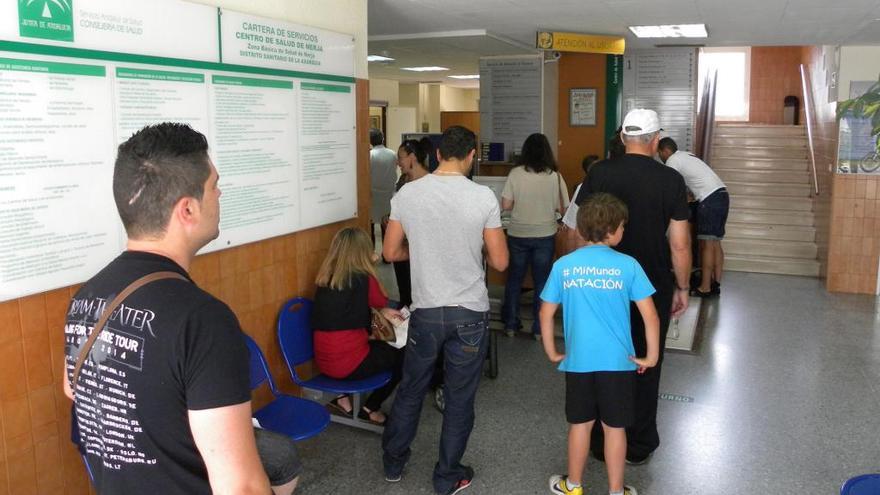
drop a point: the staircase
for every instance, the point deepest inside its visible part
(770, 228)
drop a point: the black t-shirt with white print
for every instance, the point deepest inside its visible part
(170, 347)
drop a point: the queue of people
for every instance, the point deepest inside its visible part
(191, 427)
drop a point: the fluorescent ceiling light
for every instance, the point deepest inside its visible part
(671, 31)
(424, 69)
(466, 76)
(379, 58)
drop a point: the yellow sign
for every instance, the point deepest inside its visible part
(584, 43)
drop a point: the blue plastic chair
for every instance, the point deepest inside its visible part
(295, 338)
(866, 484)
(292, 416)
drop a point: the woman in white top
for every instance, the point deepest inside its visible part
(535, 193)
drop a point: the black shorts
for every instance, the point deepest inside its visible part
(278, 455)
(605, 395)
(712, 215)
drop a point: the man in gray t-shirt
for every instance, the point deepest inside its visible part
(447, 220)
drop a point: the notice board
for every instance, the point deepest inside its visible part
(664, 80)
(77, 77)
(511, 100)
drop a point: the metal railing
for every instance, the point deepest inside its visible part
(809, 115)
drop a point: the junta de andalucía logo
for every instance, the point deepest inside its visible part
(47, 19)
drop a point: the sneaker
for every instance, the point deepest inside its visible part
(630, 490)
(463, 483)
(393, 476)
(632, 461)
(559, 486)
(509, 332)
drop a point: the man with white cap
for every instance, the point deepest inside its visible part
(657, 200)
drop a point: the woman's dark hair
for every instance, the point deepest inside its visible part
(588, 162)
(418, 148)
(537, 156)
(427, 148)
(412, 147)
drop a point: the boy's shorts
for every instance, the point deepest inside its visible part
(605, 395)
(712, 215)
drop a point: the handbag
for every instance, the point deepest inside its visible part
(380, 327)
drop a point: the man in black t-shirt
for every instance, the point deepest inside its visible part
(658, 237)
(162, 402)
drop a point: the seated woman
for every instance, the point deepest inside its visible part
(347, 288)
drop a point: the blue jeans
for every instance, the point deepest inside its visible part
(524, 251)
(461, 337)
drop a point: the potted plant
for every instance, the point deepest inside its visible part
(865, 107)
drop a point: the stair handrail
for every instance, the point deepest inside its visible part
(806, 85)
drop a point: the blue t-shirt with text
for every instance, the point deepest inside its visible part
(595, 285)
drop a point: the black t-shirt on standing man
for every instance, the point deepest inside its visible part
(169, 348)
(654, 194)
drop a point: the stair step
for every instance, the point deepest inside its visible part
(772, 202)
(729, 175)
(760, 130)
(736, 230)
(759, 152)
(770, 264)
(760, 163)
(770, 217)
(748, 188)
(769, 247)
(738, 140)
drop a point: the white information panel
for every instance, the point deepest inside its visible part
(511, 96)
(56, 153)
(282, 136)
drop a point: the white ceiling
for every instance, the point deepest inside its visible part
(408, 29)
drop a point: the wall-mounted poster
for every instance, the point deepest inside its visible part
(582, 107)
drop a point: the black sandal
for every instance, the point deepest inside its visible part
(364, 414)
(336, 406)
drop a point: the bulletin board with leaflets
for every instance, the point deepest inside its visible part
(275, 100)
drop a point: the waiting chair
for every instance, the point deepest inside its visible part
(866, 484)
(292, 416)
(295, 338)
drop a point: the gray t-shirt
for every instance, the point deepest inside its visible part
(443, 218)
(383, 178)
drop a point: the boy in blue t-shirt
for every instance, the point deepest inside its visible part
(595, 285)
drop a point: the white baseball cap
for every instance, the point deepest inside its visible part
(641, 121)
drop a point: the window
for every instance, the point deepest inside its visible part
(732, 91)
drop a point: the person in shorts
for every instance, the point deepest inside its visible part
(595, 285)
(713, 203)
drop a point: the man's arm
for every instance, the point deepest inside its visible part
(652, 335)
(506, 204)
(225, 439)
(680, 246)
(496, 248)
(395, 248)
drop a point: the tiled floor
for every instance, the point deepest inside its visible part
(786, 394)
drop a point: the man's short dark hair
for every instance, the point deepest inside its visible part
(155, 168)
(457, 142)
(376, 137)
(600, 215)
(667, 143)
